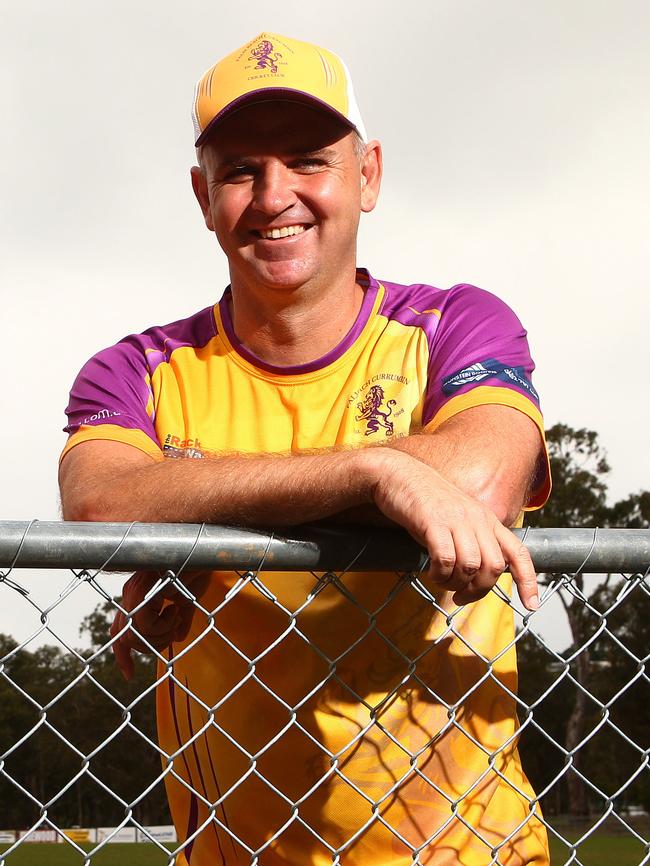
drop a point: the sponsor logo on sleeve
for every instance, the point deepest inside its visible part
(490, 369)
(174, 446)
(100, 417)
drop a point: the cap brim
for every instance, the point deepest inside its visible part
(273, 94)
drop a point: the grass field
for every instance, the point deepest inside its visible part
(602, 850)
(63, 855)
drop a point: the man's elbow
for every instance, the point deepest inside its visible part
(88, 507)
(508, 493)
(504, 494)
(506, 512)
(99, 481)
(505, 500)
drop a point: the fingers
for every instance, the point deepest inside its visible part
(521, 567)
(492, 563)
(468, 547)
(469, 558)
(143, 631)
(155, 623)
(194, 583)
(185, 615)
(120, 647)
(123, 658)
(442, 555)
(466, 558)
(454, 555)
(137, 587)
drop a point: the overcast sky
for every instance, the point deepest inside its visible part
(516, 139)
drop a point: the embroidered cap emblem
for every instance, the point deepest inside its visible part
(265, 55)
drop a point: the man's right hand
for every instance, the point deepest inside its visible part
(469, 548)
(164, 618)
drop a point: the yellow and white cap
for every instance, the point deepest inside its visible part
(275, 67)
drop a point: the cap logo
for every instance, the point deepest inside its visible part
(269, 63)
(266, 56)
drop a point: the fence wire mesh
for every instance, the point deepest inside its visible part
(322, 716)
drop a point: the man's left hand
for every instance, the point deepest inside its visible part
(164, 618)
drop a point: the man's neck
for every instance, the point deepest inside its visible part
(287, 329)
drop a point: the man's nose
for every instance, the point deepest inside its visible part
(273, 190)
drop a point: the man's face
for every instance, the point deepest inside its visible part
(282, 186)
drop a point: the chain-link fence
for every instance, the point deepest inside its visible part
(320, 702)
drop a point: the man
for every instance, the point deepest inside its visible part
(362, 718)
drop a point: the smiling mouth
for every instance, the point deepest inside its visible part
(284, 232)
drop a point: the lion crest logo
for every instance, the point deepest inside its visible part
(370, 411)
(265, 55)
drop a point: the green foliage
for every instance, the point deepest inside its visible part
(632, 512)
(612, 704)
(87, 701)
(623, 688)
(579, 469)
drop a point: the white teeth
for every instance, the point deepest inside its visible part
(284, 232)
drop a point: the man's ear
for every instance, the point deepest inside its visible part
(200, 187)
(371, 170)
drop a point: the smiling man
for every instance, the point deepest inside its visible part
(316, 719)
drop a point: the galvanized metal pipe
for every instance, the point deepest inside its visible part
(127, 547)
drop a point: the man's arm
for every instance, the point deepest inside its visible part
(493, 453)
(446, 488)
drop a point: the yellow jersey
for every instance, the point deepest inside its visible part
(356, 715)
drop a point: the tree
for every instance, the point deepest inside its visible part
(84, 695)
(114, 763)
(579, 499)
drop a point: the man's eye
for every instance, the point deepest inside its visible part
(308, 163)
(239, 171)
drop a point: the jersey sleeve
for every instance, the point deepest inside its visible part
(112, 399)
(479, 355)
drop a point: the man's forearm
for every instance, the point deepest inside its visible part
(227, 489)
(467, 545)
(489, 478)
(489, 455)
(111, 481)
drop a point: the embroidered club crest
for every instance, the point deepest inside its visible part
(372, 413)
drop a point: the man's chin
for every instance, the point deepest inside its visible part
(282, 277)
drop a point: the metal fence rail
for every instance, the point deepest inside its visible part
(325, 700)
(120, 547)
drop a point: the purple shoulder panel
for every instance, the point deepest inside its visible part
(111, 388)
(114, 386)
(474, 339)
(160, 342)
(479, 341)
(416, 306)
